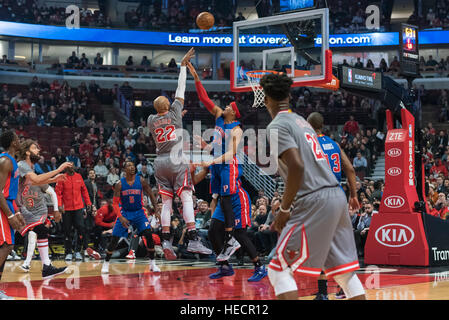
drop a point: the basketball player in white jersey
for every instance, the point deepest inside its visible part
(172, 176)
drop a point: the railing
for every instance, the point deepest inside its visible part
(125, 105)
(258, 178)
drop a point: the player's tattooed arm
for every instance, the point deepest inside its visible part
(197, 178)
(236, 136)
(202, 94)
(116, 202)
(295, 174)
(149, 192)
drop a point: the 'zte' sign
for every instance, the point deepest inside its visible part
(394, 235)
(394, 202)
(394, 171)
(394, 152)
(395, 136)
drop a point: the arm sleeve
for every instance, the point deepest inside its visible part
(181, 83)
(202, 95)
(54, 198)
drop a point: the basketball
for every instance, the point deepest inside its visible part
(205, 20)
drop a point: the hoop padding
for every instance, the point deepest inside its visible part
(254, 81)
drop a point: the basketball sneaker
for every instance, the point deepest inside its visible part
(3, 296)
(196, 246)
(92, 253)
(68, 257)
(259, 274)
(340, 294)
(223, 271)
(131, 254)
(320, 296)
(153, 266)
(25, 267)
(49, 271)
(105, 267)
(169, 253)
(228, 250)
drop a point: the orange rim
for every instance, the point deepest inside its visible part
(258, 74)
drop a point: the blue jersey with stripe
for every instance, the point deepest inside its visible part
(131, 196)
(221, 135)
(11, 188)
(333, 154)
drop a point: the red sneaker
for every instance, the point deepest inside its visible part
(131, 255)
(93, 254)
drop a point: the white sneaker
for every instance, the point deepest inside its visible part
(228, 250)
(105, 267)
(154, 267)
(196, 246)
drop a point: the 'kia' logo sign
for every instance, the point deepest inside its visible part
(394, 171)
(394, 235)
(394, 152)
(394, 202)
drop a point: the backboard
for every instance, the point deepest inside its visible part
(295, 43)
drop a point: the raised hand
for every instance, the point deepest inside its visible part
(189, 55)
(65, 165)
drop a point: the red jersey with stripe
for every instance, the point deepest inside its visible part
(11, 188)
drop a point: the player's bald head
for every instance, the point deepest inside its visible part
(161, 104)
(316, 121)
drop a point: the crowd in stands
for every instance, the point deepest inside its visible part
(29, 11)
(181, 15)
(434, 15)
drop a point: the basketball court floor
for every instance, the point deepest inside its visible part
(188, 280)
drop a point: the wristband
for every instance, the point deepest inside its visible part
(284, 210)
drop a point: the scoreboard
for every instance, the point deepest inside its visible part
(360, 79)
(409, 52)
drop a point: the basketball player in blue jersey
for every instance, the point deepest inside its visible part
(10, 218)
(226, 168)
(337, 160)
(128, 192)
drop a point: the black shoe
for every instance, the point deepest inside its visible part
(49, 271)
(321, 296)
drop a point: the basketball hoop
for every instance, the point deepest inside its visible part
(254, 80)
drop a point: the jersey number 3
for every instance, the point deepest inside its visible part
(316, 148)
(165, 134)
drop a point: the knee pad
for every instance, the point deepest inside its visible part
(350, 284)
(167, 203)
(187, 206)
(282, 281)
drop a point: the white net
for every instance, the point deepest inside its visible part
(254, 81)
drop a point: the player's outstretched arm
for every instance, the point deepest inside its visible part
(236, 136)
(149, 192)
(49, 177)
(349, 171)
(180, 91)
(202, 94)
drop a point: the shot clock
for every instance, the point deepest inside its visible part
(409, 50)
